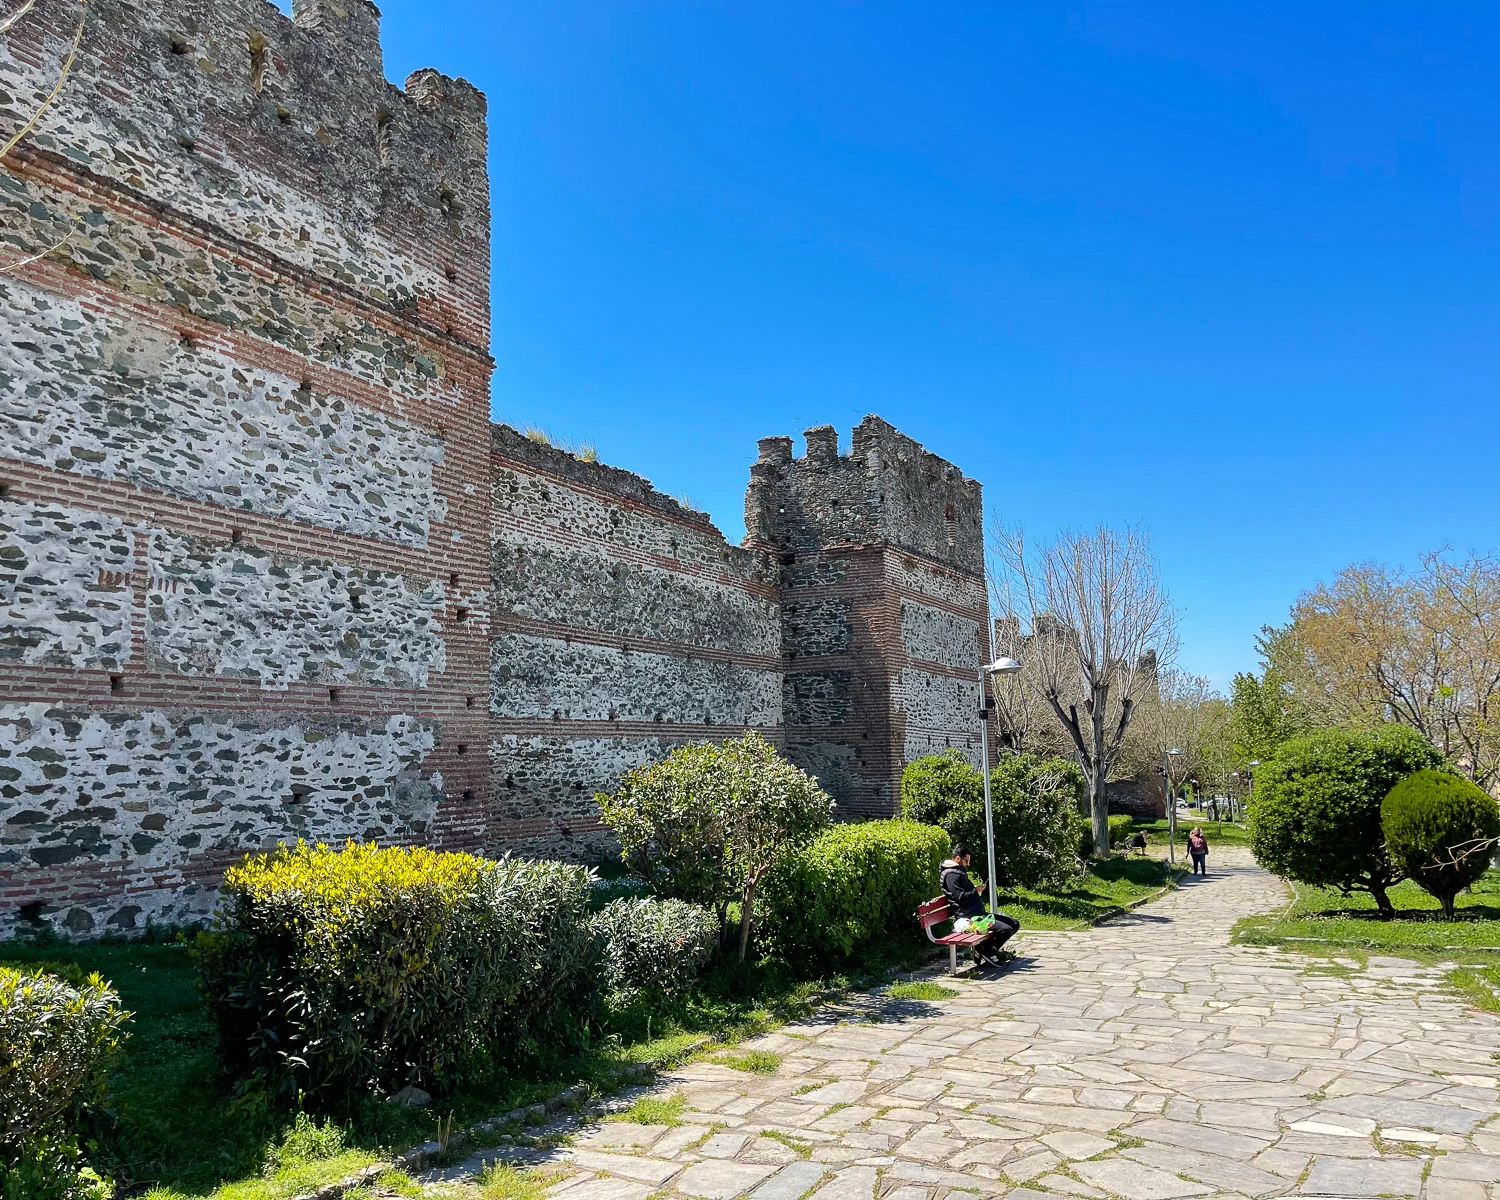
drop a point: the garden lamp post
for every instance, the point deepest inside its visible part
(1001, 666)
(1166, 778)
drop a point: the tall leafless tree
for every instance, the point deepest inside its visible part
(1093, 625)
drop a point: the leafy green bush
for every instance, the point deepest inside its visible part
(1037, 804)
(946, 790)
(1035, 801)
(1120, 829)
(1314, 813)
(708, 822)
(654, 948)
(336, 972)
(851, 886)
(56, 1042)
(1440, 829)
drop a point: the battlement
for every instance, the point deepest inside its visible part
(888, 490)
(280, 130)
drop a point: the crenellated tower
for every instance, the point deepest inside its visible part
(883, 604)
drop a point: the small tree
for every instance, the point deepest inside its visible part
(772, 808)
(1315, 812)
(710, 820)
(1440, 829)
(671, 825)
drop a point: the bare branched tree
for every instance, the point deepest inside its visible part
(7, 24)
(1093, 625)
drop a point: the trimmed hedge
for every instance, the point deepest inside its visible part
(1440, 829)
(336, 972)
(851, 886)
(1120, 828)
(652, 948)
(56, 1041)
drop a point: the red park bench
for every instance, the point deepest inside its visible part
(935, 912)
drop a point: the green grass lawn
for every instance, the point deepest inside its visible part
(1109, 886)
(1331, 917)
(1218, 833)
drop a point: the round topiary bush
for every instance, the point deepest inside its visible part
(1314, 814)
(1440, 829)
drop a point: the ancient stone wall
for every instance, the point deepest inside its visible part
(244, 449)
(623, 625)
(882, 588)
(266, 569)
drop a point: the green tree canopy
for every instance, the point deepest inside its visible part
(1315, 811)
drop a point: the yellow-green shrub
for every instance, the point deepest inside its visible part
(333, 972)
(852, 885)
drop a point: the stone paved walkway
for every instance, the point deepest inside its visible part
(1147, 1059)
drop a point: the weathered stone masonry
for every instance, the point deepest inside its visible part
(244, 519)
(884, 604)
(266, 569)
(623, 625)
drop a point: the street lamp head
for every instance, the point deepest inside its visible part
(1002, 666)
(1174, 752)
(1255, 762)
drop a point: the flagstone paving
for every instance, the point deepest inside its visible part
(1146, 1059)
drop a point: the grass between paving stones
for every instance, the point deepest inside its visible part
(1109, 886)
(500, 1182)
(920, 989)
(1325, 915)
(180, 1128)
(755, 1062)
(655, 1110)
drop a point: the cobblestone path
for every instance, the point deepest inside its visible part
(1146, 1059)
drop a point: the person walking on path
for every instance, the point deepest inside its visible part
(1198, 850)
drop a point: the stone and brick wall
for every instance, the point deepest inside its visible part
(622, 625)
(268, 572)
(244, 527)
(882, 587)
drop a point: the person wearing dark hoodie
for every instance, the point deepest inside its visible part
(967, 902)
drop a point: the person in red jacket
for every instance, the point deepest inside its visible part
(1198, 850)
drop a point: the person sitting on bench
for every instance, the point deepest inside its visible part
(1138, 842)
(967, 902)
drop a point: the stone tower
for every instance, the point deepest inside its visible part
(883, 601)
(244, 449)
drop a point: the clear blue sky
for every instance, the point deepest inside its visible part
(1227, 270)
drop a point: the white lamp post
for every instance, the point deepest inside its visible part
(1166, 779)
(1001, 666)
